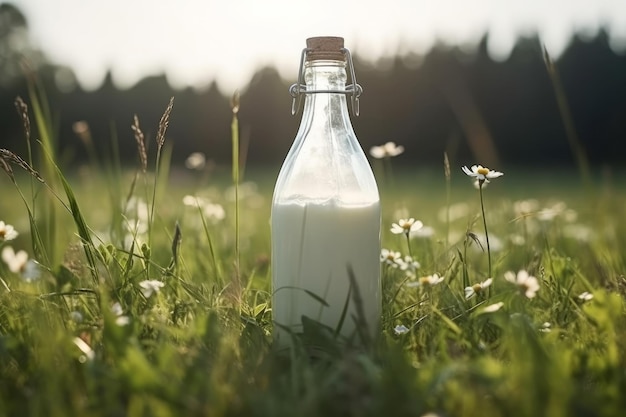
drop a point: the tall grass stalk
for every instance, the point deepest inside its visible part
(447, 175)
(160, 141)
(234, 127)
(482, 208)
(214, 259)
(43, 121)
(22, 110)
(575, 144)
(40, 245)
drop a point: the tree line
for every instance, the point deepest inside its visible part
(511, 112)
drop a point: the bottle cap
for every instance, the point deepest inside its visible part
(325, 47)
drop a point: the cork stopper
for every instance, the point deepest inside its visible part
(325, 47)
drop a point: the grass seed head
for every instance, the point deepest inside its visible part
(164, 123)
(141, 144)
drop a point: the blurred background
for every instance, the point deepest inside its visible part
(467, 78)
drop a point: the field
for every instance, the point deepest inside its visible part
(146, 291)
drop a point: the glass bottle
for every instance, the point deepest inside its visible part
(326, 214)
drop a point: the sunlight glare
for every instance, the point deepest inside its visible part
(195, 42)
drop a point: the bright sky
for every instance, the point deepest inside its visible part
(196, 41)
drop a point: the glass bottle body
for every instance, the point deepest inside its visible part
(325, 219)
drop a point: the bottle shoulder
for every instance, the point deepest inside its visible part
(325, 173)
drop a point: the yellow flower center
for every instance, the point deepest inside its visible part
(483, 171)
(477, 287)
(424, 280)
(2, 233)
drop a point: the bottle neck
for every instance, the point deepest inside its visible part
(325, 75)
(328, 79)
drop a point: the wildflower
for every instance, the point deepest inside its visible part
(453, 212)
(136, 226)
(578, 232)
(19, 263)
(136, 241)
(495, 243)
(15, 261)
(406, 226)
(545, 327)
(193, 201)
(388, 150)
(408, 264)
(85, 348)
(7, 232)
(121, 319)
(423, 232)
(150, 286)
(76, 316)
(482, 174)
(585, 296)
(492, 308)
(476, 288)
(195, 161)
(550, 213)
(570, 215)
(517, 240)
(525, 207)
(214, 212)
(428, 280)
(400, 329)
(525, 282)
(390, 258)
(138, 209)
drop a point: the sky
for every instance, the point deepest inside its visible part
(197, 41)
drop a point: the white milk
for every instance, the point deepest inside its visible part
(312, 246)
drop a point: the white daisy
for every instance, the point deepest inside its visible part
(16, 261)
(400, 329)
(194, 201)
(76, 316)
(476, 288)
(390, 258)
(195, 161)
(120, 319)
(545, 327)
(428, 280)
(150, 286)
(585, 296)
(408, 264)
(492, 308)
(85, 348)
(137, 208)
(388, 150)
(7, 232)
(214, 211)
(406, 226)
(482, 174)
(528, 284)
(19, 263)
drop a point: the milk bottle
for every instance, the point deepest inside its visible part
(326, 209)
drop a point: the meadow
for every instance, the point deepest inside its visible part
(145, 291)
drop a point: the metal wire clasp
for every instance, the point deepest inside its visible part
(298, 89)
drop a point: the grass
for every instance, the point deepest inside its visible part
(85, 339)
